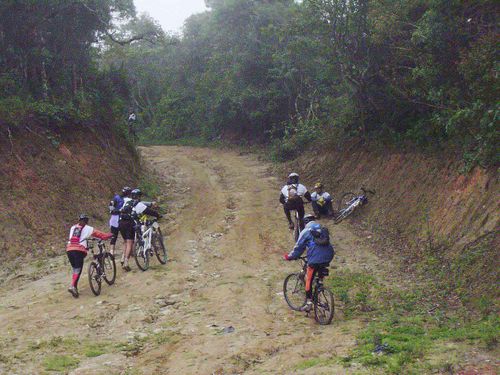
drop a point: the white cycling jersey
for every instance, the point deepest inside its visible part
(298, 188)
(316, 197)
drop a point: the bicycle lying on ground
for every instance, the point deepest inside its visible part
(149, 239)
(294, 290)
(101, 267)
(349, 202)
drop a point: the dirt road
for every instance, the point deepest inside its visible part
(216, 307)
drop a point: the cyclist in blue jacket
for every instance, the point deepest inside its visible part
(316, 240)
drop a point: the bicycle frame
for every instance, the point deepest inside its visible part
(146, 235)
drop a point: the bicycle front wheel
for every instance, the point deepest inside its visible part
(294, 290)
(324, 306)
(141, 257)
(94, 278)
(159, 248)
(109, 266)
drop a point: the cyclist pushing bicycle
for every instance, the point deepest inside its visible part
(77, 248)
(316, 239)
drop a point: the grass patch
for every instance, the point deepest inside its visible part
(60, 363)
(95, 350)
(406, 326)
(356, 290)
(406, 339)
(313, 362)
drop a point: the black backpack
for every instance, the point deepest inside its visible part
(126, 211)
(321, 237)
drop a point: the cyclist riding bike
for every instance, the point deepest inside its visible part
(291, 199)
(77, 248)
(316, 240)
(321, 201)
(114, 209)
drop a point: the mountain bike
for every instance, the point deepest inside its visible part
(349, 202)
(294, 290)
(149, 240)
(101, 267)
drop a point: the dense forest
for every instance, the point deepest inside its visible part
(281, 73)
(49, 70)
(419, 72)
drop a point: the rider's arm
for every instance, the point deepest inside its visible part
(307, 195)
(282, 199)
(101, 235)
(149, 211)
(300, 246)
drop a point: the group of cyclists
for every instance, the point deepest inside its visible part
(126, 209)
(313, 236)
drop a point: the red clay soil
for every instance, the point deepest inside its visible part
(46, 180)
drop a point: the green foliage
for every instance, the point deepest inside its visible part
(13, 111)
(48, 70)
(404, 323)
(60, 363)
(419, 71)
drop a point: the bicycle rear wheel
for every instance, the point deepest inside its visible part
(345, 199)
(324, 306)
(94, 278)
(109, 266)
(141, 257)
(294, 290)
(159, 248)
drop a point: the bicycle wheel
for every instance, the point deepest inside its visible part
(294, 290)
(345, 199)
(324, 306)
(141, 257)
(159, 248)
(343, 214)
(94, 278)
(109, 267)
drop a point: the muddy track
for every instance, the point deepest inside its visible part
(215, 308)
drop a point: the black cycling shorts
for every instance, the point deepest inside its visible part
(127, 229)
(76, 258)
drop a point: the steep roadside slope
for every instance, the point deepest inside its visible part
(48, 177)
(424, 207)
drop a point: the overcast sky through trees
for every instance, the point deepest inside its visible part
(170, 13)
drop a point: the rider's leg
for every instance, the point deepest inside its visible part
(76, 259)
(316, 209)
(329, 208)
(288, 216)
(112, 243)
(129, 245)
(309, 278)
(80, 263)
(301, 212)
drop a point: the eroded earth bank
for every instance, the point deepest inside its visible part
(217, 306)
